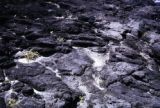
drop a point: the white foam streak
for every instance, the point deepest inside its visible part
(99, 59)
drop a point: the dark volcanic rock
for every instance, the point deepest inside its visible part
(44, 51)
(81, 43)
(126, 54)
(74, 63)
(139, 74)
(33, 36)
(2, 103)
(67, 26)
(5, 87)
(137, 100)
(42, 79)
(17, 87)
(25, 70)
(6, 62)
(31, 103)
(156, 50)
(151, 37)
(113, 72)
(27, 91)
(2, 77)
(120, 70)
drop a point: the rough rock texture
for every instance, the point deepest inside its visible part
(92, 54)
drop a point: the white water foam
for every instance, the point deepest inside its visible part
(26, 61)
(84, 89)
(99, 59)
(52, 70)
(97, 82)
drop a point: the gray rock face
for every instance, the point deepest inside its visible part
(156, 49)
(74, 63)
(151, 37)
(90, 54)
(42, 79)
(31, 103)
(115, 71)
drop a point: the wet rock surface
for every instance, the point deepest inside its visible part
(89, 54)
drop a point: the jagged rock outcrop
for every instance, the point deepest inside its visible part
(90, 54)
